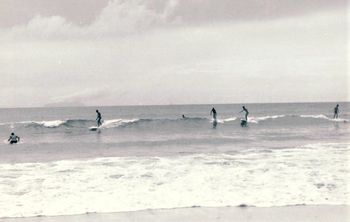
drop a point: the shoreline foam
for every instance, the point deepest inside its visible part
(317, 213)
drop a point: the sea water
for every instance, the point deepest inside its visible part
(149, 157)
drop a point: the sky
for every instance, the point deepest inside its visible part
(160, 52)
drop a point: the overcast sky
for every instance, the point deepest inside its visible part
(140, 52)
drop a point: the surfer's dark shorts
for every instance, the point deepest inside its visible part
(13, 142)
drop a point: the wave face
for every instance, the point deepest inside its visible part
(313, 175)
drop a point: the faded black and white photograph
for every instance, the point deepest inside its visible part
(174, 110)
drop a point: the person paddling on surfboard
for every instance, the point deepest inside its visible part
(336, 112)
(98, 118)
(213, 112)
(13, 138)
(246, 113)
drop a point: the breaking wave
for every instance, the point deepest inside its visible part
(115, 123)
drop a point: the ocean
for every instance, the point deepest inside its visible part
(149, 157)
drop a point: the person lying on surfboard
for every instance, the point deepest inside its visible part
(98, 118)
(13, 138)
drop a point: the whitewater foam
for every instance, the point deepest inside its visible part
(314, 174)
(50, 124)
(263, 118)
(230, 119)
(321, 116)
(117, 123)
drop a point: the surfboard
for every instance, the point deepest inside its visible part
(244, 123)
(94, 128)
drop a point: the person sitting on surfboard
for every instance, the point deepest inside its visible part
(246, 113)
(336, 112)
(213, 112)
(99, 118)
(13, 138)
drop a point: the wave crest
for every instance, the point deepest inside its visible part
(47, 124)
(115, 123)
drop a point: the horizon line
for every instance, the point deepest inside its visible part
(175, 104)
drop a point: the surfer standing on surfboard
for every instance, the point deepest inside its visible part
(213, 112)
(98, 118)
(13, 138)
(215, 121)
(336, 112)
(246, 113)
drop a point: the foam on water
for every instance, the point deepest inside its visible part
(50, 124)
(118, 122)
(230, 119)
(263, 118)
(312, 174)
(321, 116)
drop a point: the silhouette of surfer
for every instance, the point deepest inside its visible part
(183, 116)
(213, 113)
(336, 111)
(13, 138)
(246, 112)
(98, 118)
